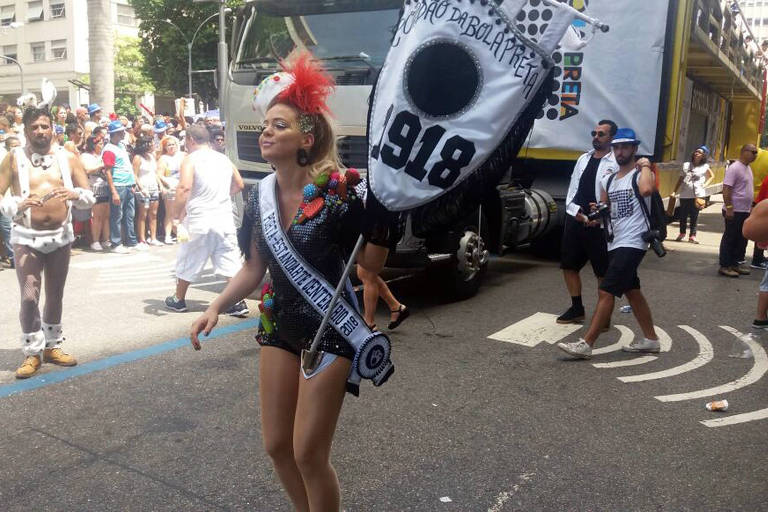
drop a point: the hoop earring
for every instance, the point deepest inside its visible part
(302, 157)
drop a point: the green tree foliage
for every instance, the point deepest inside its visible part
(165, 50)
(131, 80)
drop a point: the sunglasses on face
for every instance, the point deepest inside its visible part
(598, 134)
(753, 151)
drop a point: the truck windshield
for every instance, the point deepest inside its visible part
(351, 39)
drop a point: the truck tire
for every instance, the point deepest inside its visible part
(468, 266)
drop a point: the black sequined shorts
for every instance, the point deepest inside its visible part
(331, 343)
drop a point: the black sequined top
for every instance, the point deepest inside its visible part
(325, 241)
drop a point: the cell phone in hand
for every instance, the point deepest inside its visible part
(47, 196)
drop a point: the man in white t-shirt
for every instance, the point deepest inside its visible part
(203, 215)
(626, 247)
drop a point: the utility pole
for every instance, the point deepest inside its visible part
(223, 56)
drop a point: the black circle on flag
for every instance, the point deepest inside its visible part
(442, 79)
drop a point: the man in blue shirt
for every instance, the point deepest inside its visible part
(119, 171)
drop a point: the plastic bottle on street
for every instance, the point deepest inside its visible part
(740, 348)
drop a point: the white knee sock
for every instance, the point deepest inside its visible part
(53, 335)
(32, 343)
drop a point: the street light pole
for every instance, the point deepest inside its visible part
(223, 56)
(21, 70)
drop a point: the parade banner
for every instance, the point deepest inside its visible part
(455, 81)
(617, 78)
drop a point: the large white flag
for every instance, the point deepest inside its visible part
(455, 81)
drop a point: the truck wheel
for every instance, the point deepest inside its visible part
(468, 265)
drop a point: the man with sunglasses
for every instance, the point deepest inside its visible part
(737, 203)
(583, 240)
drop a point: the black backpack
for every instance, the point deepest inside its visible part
(657, 217)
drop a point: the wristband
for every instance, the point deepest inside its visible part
(85, 199)
(729, 207)
(9, 206)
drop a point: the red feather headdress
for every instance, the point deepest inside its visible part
(310, 87)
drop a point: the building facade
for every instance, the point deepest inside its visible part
(49, 39)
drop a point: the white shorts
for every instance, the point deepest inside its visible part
(221, 248)
(764, 283)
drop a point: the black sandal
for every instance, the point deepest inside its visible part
(403, 313)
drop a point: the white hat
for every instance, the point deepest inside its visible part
(268, 90)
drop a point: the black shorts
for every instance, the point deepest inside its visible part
(621, 275)
(380, 226)
(580, 244)
(102, 199)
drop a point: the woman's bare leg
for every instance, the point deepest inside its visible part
(153, 219)
(317, 411)
(278, 392)
(168, 216)
(370, 294)
(101, 215)
(141, 222)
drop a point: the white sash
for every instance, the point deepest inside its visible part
(372, 349)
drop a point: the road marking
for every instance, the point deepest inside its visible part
(168, 287)
(64, 374)
(627, 362)
(505, 496)
(752, 376)
(115, 261)
(136, 273)
(535, 329)
(760, 414)
(625, 338)
(705, 355)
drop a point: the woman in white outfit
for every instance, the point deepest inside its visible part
(168, 172)
(692, 184)
(147, 192)
(94, 167)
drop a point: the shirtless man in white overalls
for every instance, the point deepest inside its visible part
(45, 181)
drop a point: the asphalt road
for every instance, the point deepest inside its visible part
(466, 423)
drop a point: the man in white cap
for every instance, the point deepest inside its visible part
(623, 191)
(121, 179)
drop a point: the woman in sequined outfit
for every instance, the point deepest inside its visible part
(298, 415)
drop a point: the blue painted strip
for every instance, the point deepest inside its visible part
(108, 362)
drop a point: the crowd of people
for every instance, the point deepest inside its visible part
(132, 163)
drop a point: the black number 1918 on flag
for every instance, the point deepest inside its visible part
(455, 81)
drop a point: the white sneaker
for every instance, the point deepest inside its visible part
(121, 249)
(155, 243)
(168, 240)
(579, 349)
(96, 246)
(142, 246)
(645, 345)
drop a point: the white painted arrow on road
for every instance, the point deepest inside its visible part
(537, 328)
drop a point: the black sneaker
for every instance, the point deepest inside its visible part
(239, 310)
(574, 315)
(174, 304)
(760, 324)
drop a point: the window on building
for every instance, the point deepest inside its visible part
(125, 15)
(59, 49)
(38, 51)
(57, 8)
(7, 15)
(10, 51)
(35, 11)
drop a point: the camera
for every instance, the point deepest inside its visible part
(653, 237)
(600, 210)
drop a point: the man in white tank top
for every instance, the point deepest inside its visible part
(203, 215)
(45, 181)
